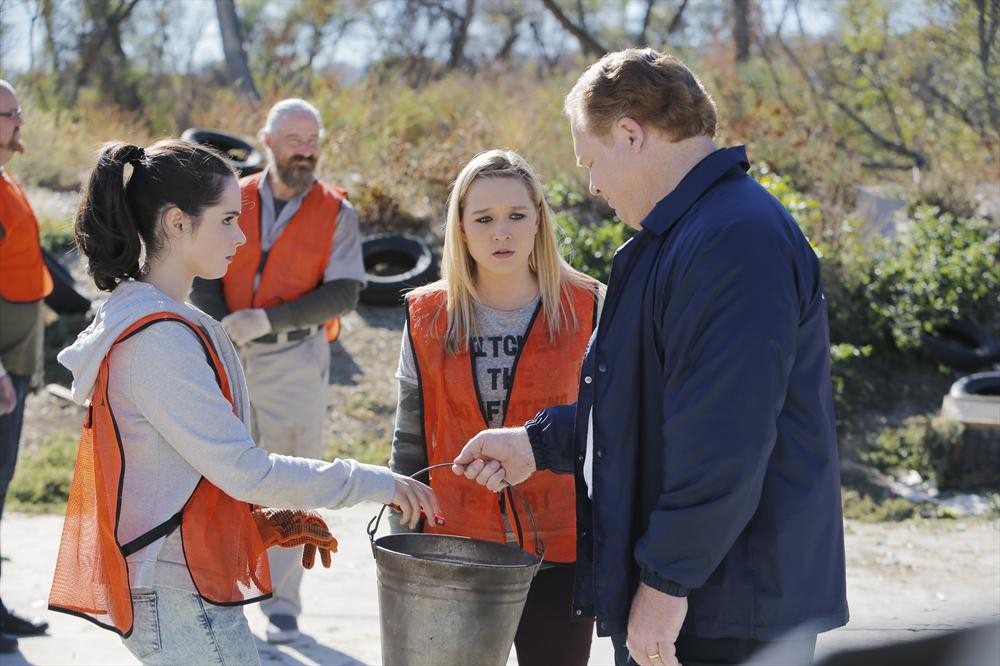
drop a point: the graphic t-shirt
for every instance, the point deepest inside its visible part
(493, 351)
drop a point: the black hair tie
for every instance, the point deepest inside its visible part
(137, 156)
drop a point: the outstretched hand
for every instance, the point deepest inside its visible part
(413, 497)
(289, 528)
(495, 457)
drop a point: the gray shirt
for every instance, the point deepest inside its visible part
(494, 350)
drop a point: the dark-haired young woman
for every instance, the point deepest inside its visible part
(162, 541)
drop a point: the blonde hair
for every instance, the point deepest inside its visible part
(652, 88)
(458, 268)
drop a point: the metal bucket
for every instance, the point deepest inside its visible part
(447, 600)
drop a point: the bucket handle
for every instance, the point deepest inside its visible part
(376, 519)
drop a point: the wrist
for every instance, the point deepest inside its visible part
(664, 585)
(534, 429)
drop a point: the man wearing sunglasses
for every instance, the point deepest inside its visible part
(24, 282)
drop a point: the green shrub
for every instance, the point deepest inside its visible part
(43, 476)
(863, 507)
(939, 269)
(921, 443)
(587, 239)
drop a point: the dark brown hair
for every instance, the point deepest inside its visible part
(654, 89)
(118, 217)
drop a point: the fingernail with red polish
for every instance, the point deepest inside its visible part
(439, 520)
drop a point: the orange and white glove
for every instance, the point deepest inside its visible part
(289, 528)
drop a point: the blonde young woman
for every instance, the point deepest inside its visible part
(500, 336)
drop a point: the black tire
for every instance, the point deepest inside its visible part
(980, 384)
(242, 155)
(394, 264)
(64, 299)
(962, 345)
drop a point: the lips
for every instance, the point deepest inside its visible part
(503, 254)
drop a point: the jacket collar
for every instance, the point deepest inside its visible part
(704, 174)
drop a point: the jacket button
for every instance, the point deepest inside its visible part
(599, 453)
(604, 626)
(581, 457)
(587, 379)
(578, 611)
(602, 367)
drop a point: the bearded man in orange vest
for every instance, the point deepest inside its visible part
(24, 282)
(300, 269)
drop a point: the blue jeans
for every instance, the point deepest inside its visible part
(177, 627)
(10, 435)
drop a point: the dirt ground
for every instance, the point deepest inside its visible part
(905, 579)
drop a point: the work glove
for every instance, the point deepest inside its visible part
(289, 528)
(246, 325)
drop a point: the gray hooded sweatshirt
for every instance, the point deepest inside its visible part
(176, 426)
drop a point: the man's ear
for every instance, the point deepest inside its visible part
(175, 223)
(631, 133)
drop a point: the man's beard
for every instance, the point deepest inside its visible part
(297, 172)
(14, 145)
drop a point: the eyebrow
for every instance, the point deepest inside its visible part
(233, 212)
(486, 210)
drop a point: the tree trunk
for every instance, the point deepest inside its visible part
(741, 29)
(236, 55)
(460, 36)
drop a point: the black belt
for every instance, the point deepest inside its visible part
(290, 336)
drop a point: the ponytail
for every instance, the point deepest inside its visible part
(118, 218)
(106, 233)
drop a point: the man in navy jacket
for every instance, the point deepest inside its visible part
(702, 440)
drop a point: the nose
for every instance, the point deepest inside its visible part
(241, 238)
(502, 231)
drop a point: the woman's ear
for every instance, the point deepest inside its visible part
(175, 223)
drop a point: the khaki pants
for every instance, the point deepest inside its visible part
(288, 395)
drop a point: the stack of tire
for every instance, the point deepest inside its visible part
(973, 400)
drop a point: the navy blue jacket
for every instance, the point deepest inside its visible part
(715, 456)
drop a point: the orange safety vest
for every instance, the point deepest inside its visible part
(295, 263)
(24, 278)
(545, 373)
(223, 549)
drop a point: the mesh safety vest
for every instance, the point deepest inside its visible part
(295, 264)
(544, 373)
(24, 277)
(222, 546)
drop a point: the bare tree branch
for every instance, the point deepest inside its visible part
(588, 42)
(675, 22)
(640, 39)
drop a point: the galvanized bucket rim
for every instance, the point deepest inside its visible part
(535, 559)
